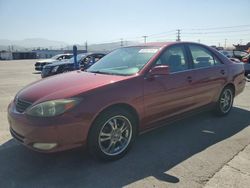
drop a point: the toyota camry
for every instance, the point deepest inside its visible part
(126, 93)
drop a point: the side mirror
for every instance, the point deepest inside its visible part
(159, 70)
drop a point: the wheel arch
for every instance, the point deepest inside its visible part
(230, 85)
(125, 106)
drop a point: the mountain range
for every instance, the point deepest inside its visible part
(31, 43)
(35, 43)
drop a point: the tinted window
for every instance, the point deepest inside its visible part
(227, 53)
(202, 57)
(174, 57)
(98, 57)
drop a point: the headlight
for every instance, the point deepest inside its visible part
(55, 68)
(52, 108)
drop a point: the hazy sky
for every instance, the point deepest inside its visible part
(75, 21)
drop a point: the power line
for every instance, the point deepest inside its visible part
(217, 35)
(229, 31)
(216, 32)
(164, 36)
(166, 32)
(217, 28)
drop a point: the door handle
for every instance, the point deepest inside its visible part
(189, 79)
(222, 71)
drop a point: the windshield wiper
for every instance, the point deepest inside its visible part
(109, 73)
(98, 72)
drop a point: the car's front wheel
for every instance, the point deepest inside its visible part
(112, 134)
(65, 70)
(225, 102)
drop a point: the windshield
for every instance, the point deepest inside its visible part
(78, 58)
(56, 56)
(227, 53)
(240, 53)
(124, 61)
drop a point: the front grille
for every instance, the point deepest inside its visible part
(22, 105)
(17, 136)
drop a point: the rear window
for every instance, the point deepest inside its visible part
(202, 57)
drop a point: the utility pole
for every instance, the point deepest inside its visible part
(86, 46)
(178, 35)
(145, 38)
(121, 42)
(225, 43)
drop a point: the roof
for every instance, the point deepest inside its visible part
(163, 44)
(153, 44)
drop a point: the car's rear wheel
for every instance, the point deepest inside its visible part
(225, 102)
(112, 134)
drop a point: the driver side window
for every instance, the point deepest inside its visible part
(174, 57)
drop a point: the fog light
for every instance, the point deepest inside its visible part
(44, 146)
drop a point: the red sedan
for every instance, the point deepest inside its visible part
(127, 92)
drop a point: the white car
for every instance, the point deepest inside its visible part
(39, 64)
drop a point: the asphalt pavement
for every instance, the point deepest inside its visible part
(199, 151)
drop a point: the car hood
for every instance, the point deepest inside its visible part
(46, 61)
(58, 63)
(66, 85)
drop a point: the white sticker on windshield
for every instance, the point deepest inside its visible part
(148, 50)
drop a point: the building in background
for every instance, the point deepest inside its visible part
(45, 53)
(34, 54)
(5, 55)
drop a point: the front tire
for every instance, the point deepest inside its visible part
(225, 102)
(112, 134)
(65, 70)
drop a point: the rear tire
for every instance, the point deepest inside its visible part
(112, 134)
(225, 102)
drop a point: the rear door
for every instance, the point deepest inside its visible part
(209, 74)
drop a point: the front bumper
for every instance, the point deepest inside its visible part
(46, 72)
(39, 66)
(66, 131)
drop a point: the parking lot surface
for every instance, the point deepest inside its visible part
(186, 153)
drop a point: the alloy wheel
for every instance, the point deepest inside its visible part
(115, 135)
(226, 100)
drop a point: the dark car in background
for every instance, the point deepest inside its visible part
(39, 64)
(234, 54)
(246, 61)
(238, 57)
(129, 91)
(85, 61)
